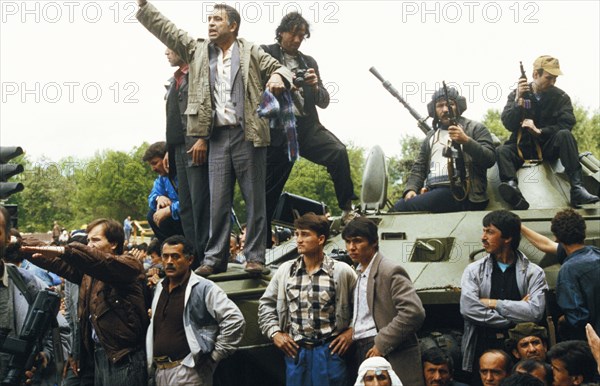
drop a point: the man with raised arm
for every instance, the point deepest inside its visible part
(226, 78)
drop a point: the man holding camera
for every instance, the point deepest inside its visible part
(469, 142)
(316, 143)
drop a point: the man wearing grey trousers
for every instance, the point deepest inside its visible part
(226, 79)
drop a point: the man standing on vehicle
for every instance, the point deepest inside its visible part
(499, 290)
(316, 143)
(226, 78)
(307, 308)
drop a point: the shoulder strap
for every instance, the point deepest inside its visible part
(15, 276)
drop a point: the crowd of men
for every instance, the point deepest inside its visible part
(334, 323)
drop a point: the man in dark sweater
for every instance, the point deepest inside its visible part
(194, 199)
(316, 143)
(540, 118)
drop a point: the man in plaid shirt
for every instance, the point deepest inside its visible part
(307, 308)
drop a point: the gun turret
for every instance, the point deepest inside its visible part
(421, 122)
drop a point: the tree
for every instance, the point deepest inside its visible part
(493, 122)
(587, 130)
(399, 167)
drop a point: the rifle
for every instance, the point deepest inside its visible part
(456, 161)
(527, 95)
(421, 122)
(527, 113)
(25, 348)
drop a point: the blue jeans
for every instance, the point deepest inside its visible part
(315, 367)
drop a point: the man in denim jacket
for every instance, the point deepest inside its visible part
(500, 290)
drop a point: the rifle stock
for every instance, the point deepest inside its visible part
(421, 122)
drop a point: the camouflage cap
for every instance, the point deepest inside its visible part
(523, 330)
(548, 64)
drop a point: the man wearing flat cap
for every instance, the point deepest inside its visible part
(540, 118)
(528, 341)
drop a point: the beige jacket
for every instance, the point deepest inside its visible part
(256, 65)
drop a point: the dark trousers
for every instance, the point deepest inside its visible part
(437, 200)
(167, 228)
(194, 198)
(561, 145)
(318, 145)
(85, 378)
(129, 371)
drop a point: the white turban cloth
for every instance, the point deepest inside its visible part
(376, 363)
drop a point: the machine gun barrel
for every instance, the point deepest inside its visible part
(421, 122)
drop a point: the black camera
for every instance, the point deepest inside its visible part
(299, 77)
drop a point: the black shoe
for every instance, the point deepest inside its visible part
(510, 192)
(580, 196)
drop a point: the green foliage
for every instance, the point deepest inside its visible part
(111, 184)
(116, 184)
(492, 121)
(399, 167)
(587, 130)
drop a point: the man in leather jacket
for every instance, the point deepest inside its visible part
(111, 310)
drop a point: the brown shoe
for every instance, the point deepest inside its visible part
(254, 267)
(205, 270)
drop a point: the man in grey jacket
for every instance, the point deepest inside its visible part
(500, 290)
(193, 325)
(226, 77)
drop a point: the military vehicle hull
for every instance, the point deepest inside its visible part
(433, 248)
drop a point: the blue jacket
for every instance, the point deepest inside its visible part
(164, 187)
(578, 288)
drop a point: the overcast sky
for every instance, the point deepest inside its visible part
(82, 76)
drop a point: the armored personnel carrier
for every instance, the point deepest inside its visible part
(433, 248)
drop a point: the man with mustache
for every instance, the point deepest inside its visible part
(193, 325)
(528, 341)
(499, 290)
(429, 186)
(227, 75)
(438, 368)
